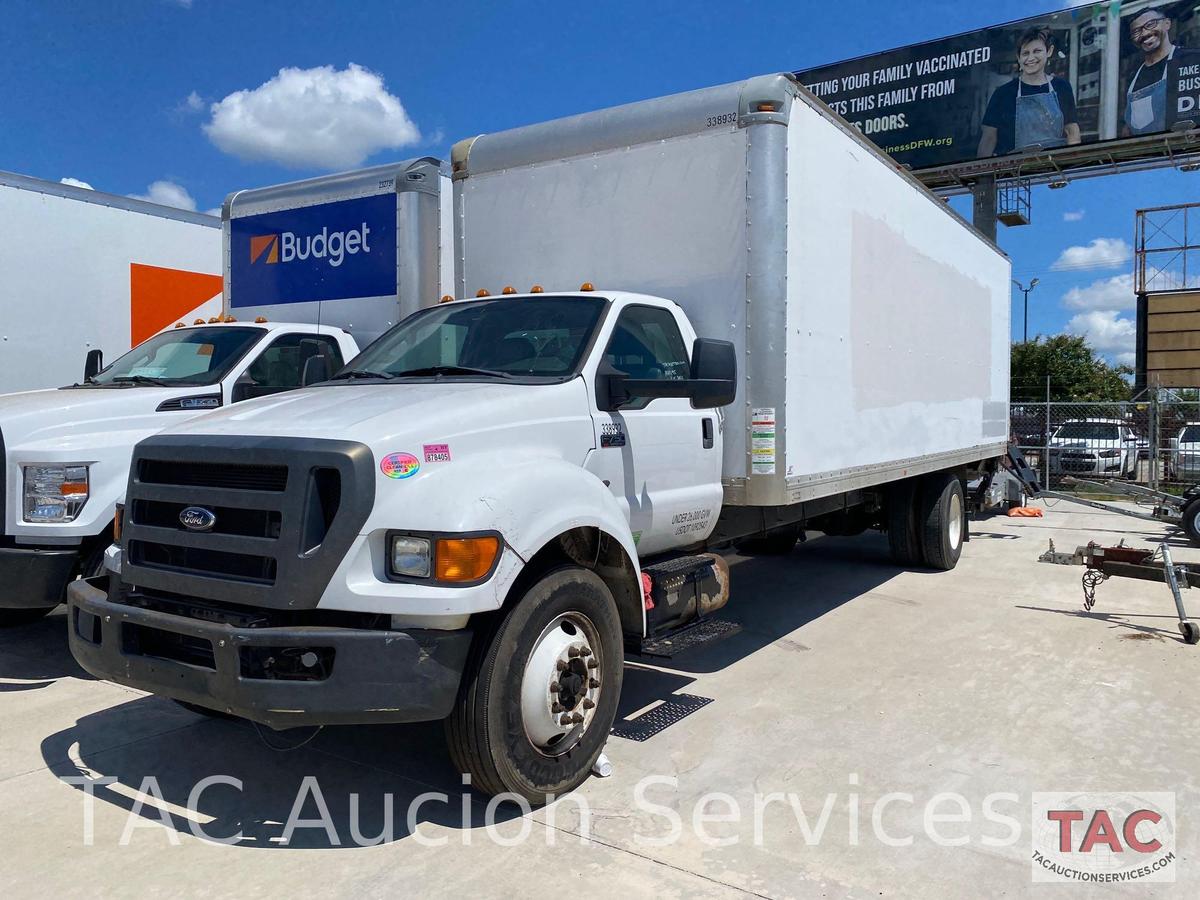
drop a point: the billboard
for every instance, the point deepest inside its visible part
(330, 251)
(1075, 77)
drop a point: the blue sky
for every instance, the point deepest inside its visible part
(183, 100)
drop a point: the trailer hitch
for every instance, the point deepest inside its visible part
(1131, 562)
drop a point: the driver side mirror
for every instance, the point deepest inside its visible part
(316, 368)
(713, 381)
(93, 364)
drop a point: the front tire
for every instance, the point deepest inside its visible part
(1191, 520)
(540, 689)
(943, 520)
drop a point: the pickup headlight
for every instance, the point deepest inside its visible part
(55, 493)
(1109, 454)
(445, 559)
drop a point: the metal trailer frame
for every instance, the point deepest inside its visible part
(773, 177)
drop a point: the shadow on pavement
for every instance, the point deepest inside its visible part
(37, 653)
(351, 787)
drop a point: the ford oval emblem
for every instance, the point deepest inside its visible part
(197, 518)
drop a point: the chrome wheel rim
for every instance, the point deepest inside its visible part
(956, 520)
(560, 689)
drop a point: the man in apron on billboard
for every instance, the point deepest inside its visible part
(1151, 100)
(1034, 111)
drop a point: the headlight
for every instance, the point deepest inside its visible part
(55, 493)
(410, 556)
(1109, 454)
(451, 559)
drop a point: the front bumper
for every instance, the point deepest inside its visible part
(35, 578)
(365, 676)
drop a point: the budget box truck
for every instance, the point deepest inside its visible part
(312, 271)
(735, 319)
(83, 270)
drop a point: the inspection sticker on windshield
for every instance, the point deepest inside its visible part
(436, 453)
(399, 465)
(762, 441)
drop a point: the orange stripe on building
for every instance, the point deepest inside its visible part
(159, 297)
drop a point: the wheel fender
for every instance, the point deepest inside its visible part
(531, 502)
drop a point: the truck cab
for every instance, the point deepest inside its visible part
(66, 451)
(490, 475)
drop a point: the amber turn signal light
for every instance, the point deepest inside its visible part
(465, 559)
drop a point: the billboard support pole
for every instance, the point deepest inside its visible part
(983, 192)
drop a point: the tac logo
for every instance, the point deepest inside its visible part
(333, 247)
(1103, 837)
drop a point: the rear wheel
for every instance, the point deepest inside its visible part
(1191, 520)
(903, 537)
(540, 690)
(943, 520)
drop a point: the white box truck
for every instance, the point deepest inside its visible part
(309, 267)
(84, 270)
(504, 493)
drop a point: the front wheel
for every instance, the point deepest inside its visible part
(540, 690)
(1191, 520)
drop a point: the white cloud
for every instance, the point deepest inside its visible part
(1102, 253)
(75, 182)
(216, 211)
(192, 103)
(1106, 331)
(168, 193)
(321, 117)
(1114, 293)
(1069, 216)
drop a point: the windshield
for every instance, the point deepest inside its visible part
(1089, 431)
(187, 356)
(1190, 435)
(500, 338)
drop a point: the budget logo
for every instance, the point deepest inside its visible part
(264, 243)
(331, 246)
(1103, 837)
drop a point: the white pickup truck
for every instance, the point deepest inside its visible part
(477, 517)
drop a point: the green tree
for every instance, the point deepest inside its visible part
(1076, 372)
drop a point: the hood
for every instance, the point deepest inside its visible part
(83, 418)
(403, 417)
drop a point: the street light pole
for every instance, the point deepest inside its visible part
(1025, 290)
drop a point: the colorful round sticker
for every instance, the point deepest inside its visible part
(399, 465)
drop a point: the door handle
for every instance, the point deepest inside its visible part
(706, 432)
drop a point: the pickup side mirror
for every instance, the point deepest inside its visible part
(713, 381)
(93, 364)
(316, 368)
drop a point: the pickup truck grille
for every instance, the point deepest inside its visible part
(279, 524)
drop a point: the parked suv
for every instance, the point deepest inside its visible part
(1185, 453)
(1094, 447)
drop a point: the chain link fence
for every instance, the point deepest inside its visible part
(1154, 443)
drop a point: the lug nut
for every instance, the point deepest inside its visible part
(589, 704)
(566, 719)
(594, 682)
(586, 651)
(555, 687)
(578, 718)
(556, 707)
(592, 664)
(561, 665)
(572, 652)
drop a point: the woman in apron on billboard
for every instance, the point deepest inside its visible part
(1034, 111)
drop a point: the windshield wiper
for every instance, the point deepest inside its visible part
(360, 373)
(142, 379)
(453, 370)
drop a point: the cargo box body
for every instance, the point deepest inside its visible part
(360, 250)
(872, 323)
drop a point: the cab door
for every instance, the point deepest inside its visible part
(660, 458)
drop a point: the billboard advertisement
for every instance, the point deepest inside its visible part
(330, 251)
(1080, 76)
